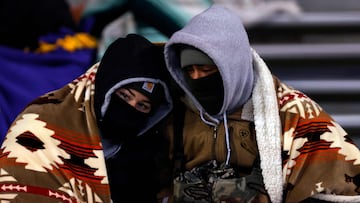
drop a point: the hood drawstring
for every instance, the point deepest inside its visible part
(213, 122)
(227, 137)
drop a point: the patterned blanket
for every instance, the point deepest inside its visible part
(313, 157)
(47, 158)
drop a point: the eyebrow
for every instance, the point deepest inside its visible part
(145, 101)
(129, 90)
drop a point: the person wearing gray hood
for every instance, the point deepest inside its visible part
(244, 135)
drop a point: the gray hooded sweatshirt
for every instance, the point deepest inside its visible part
(220, 34)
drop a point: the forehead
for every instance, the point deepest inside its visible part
(201, 67)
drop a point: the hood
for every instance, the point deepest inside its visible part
(220, 34)
(127, 60)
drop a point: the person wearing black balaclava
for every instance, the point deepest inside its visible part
(131, 67)
(140, 69)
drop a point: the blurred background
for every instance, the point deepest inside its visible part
(312, 45)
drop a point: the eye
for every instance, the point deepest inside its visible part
(188, 69)
(143, 107)
(135, 99)
(208, 68)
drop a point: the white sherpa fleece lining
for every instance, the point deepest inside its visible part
(268, 128)
(337, 198)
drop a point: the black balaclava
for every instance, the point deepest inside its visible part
(132, 57)
(209, 91)
(122, 117)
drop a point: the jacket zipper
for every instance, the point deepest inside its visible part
(214, 143)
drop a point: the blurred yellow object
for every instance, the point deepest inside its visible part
(69, 43)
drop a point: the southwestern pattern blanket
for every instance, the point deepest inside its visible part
(52, 159)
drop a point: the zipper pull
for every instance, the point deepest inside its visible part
(215, 132)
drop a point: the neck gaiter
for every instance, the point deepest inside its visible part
(209, 91)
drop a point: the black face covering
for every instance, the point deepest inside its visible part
(209, 91)
(121, 121)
